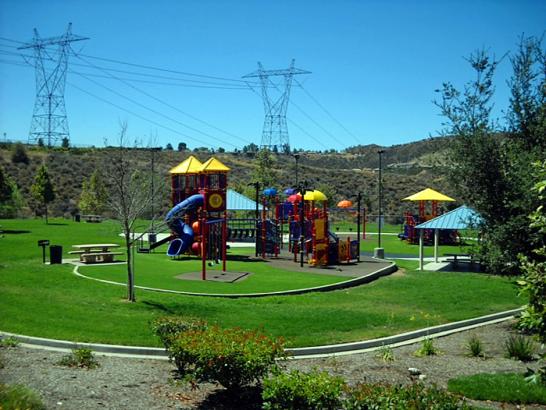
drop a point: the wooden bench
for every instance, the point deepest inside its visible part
(76, 252)
(98, 257)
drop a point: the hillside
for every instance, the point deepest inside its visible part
(408, 168)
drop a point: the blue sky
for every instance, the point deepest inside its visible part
(375, 66)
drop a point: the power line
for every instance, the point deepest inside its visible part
(327, 112)
(178, 110)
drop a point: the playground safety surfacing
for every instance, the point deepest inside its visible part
(216, 276)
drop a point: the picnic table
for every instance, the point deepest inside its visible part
(460, 257)
(96, 252)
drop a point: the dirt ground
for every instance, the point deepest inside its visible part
(123, 383)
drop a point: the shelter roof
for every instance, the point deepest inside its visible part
(239, 202)
(428, 194)
(190, 165)
(462, 217)
(214, 165)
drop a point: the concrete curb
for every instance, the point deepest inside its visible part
(297, 353)
(370, 277)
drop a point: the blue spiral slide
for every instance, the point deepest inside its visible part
(184, 232)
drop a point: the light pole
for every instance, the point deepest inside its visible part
(379, 251)
(296, 157)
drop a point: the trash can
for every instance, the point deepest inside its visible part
(152, 238)
(55, 254)
(77, 218)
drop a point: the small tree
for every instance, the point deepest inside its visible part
(265, 172)
(94, 196)
(169, 147)
(41, 142)
(128, 198)
(65, 143)
(43, 190)
(182, 146)
(19, 154)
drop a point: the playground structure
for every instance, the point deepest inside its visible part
(410, 234)
(198, 219)
(306, 217)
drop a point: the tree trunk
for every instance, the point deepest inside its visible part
(130, 275)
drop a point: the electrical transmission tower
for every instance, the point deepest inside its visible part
(275, 132)
(49, 121)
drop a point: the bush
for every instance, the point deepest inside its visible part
(519, 347)
(232, 357)
(9, 342)
(386, 354)
(415, 397)
(168, 327)
(474, 347)
(80, 358)
(19, 398)
(19, 154)
(427, 348)
(302, 391)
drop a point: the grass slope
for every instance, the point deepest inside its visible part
(50, 301)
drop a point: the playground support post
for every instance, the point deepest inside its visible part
(203, 245)
(302, 223)
(421, 233)
(256, 185)
(224, 241)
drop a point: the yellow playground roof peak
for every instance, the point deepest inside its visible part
(214, 165)
(190, 165)
(428, 194)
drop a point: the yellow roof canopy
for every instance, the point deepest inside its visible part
(314, 196)
(190, 165)
(214, 165)
(428, 195)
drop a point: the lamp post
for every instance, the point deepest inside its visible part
(296, 157)
(152, 188)
(379, 251)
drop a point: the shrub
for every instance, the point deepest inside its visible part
(427, 348)
(168, 327)
(19, 154)
(232, 357)
(9, 342)
(386, 354)
(415, 397)
(474, 347)
(302, 391)
(519, 347)
(19, 398)
(80, 358)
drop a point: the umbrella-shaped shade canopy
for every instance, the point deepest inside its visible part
(294, 198)
(270, 192)
(290, 191)
(314, 196)
(428, 195)
(345, 204)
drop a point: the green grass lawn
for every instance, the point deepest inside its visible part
(50, 301)
(503, 387)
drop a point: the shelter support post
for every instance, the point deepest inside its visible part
(436, 243)
(421, 232)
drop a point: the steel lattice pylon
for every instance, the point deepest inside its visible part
(275, 131)
(49, 121)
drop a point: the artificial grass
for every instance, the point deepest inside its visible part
(49, 301)
(503, 387)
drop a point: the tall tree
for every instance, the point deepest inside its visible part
(94, 195)
(43, 190)
(129, 198)
(265, 172)
(491, 166)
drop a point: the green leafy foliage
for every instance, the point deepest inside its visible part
(302, 391)
(232, 357)
(42, 189)
(427, 348)
(474, 347)
(386, 354)
(167, 328)
(9, 342)
(82, 357)
(412, 397)
(19, 398)
(265, 172)
(94, 195)
(519, 347)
